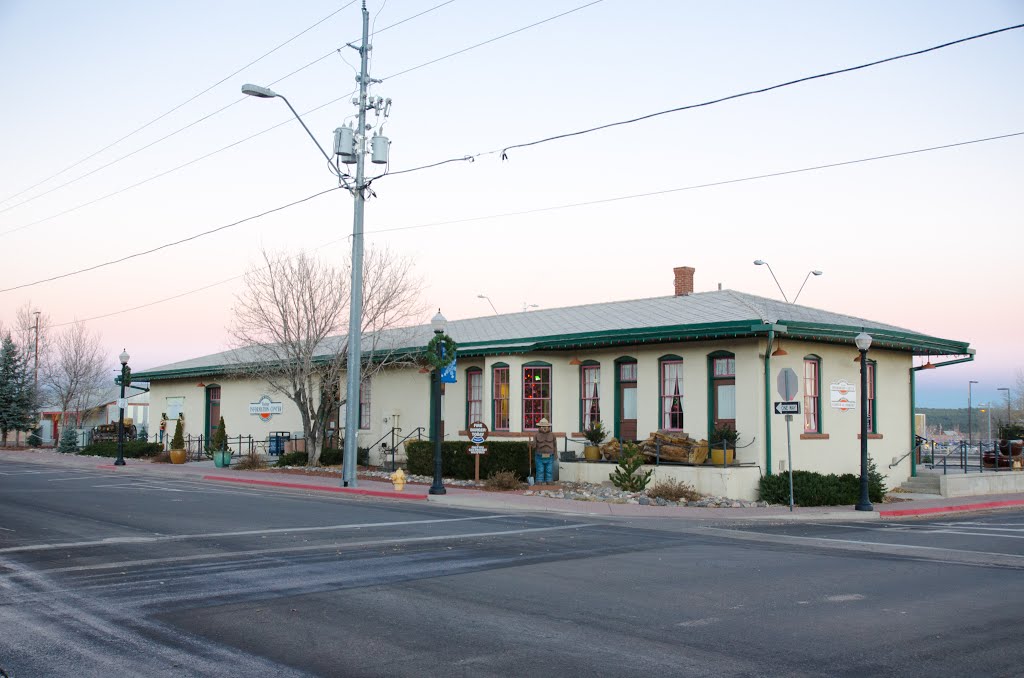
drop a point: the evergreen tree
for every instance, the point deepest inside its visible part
(68, 441)
(220, 437)
(17, 394)
(178, 441)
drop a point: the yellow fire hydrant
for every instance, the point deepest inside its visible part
(398, 478)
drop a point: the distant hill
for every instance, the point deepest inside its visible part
(949, 419)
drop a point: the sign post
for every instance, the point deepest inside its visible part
(477, 436)
(787, 384)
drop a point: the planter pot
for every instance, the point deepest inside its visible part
(592, 453)
(716, 456)
(222, 458)
(178, 456)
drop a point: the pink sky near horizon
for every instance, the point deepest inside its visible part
(928, 242)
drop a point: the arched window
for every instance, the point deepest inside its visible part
(670, 393)
(474, 395)
(536, 394)
(590, 394)
(812, 394)
(499, 397)
(212, 410)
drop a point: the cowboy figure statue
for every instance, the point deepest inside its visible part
(544, 451)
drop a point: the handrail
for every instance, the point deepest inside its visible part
(415, 432)
(912, 450)
(381, 439)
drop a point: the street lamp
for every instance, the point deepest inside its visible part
(970, 410)
(1007, 389)
(484, 296)
(350, 145)
(760, 262)
(806, 278)
(863, 341)
(437, 323)
(125, 376)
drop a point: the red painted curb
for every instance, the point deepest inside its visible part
(321, 488)
(951, 509)
(106, 466)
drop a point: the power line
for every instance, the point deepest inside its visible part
(174, 243)
(698, 186)
(194, 122)
(495, 39)
(584, 204)
(283, 122)
(187, 101)
(711, 102)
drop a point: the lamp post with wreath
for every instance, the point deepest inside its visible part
(441, 356)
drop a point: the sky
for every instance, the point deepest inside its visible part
(928, 241)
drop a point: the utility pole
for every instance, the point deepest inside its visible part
(36, 356)
(355, 309)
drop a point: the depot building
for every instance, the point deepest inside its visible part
(684, 363)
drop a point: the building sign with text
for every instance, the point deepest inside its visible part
(843, 395)
(265, 408)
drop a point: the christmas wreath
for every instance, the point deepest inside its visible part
(448, 347)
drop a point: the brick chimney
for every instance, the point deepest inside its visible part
(684, 280)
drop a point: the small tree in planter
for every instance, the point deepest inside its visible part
(626, 477)
(219, 445)
(178, 453)
(595, 434)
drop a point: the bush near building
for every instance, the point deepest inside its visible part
(457, 462)
(818, 489)
(331, 456)
(133, 449)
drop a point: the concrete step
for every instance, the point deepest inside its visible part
(925, 484)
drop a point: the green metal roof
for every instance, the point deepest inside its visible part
(722, 314)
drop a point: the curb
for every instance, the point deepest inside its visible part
(960, 508)
(320, 488)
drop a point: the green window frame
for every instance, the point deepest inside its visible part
(812, 394)
(474, 395)
(500, 397)
(537, 398)
(670, 393)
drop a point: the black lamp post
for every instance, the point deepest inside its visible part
(120, 422)
(863, 344)
(438, 323)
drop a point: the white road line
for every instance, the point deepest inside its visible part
(7, 529)
(298, 549)
(244, 533)
(978, 534)
(55, 480)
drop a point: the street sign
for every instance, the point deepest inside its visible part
(787, 383)
(792, 407)
(122, 403)
(477, 449)
(477, 432)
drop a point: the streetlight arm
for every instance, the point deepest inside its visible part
(806, 278)
(758, 263)
(297, 117)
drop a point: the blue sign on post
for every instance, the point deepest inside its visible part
(448, 371)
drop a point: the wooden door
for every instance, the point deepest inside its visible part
(725, 403)
(627, 418)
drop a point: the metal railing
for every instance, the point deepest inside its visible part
(724, 445)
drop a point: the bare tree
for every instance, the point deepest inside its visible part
(288, 318)
(75, 372)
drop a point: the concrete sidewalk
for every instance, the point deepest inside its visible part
(918, 505)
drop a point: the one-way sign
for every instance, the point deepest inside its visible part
(790, 407)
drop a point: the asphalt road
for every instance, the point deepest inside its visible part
(107, 574)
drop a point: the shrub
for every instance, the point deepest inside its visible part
(251, 462)
(671, 489)
(726, 433)
(457, 462)
(293, 459)
(626, 476)
(133, 449)
(502, 481)
(35, 439)
(143, 433)
(68, 441)
(178, 441)
(332, 456)
(817, 489)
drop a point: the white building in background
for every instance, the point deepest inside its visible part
(681, 363)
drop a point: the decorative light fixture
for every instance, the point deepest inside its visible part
(200, 385)
(928, 365)
(575, 361)
(779, 351)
